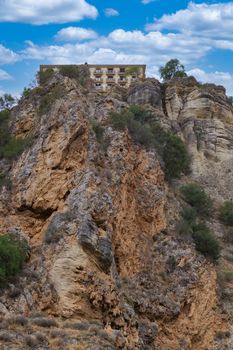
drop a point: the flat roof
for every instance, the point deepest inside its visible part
(94, 65)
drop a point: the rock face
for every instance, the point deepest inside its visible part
(101, 220)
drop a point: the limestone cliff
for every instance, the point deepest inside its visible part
(107, 269)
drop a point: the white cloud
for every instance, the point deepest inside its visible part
(218, 78)
(7, 55)
(132, 45)
(212, 21)
(76, 34)
(46, 11)
(4, 75)
(109, 12)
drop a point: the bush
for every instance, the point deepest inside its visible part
(44, 76)
(176, 157)
(26, 92)
(226, 213)
(47, 100)
(119, 121)
(44, 322)
(12, 257)
(5, 181)
(98, 130)
(189, 215)
(197, 198)
(10, 146)
(143, 128)
(13, 148)
(205, 241)
(70, 71)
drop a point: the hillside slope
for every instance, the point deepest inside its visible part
(107, 267)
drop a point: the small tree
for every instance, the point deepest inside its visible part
(172, 69)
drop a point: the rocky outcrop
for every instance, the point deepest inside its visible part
(101, 218)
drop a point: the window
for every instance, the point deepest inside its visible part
(98, 85)
(122, 70)
(98, 70)
(110, 77)
(110, 70)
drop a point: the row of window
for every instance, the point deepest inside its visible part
(109, 70)
(98, 85)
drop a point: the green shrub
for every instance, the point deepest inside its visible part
(197, 197)
(144, 129)
(189, 215)
(70, 71)
(44, 76)
(26, 92)
(47, 100)
(4, 127)
(98, 130)
(13, 148)
(10, 146)
(183, 227)
(12, 257)
(226, 213)
(176, 157)
(205, 241)
(119, 121)
(5, 181)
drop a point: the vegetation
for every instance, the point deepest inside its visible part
(70, 71)
(6, 102)
(172, 69)
(226, 213)
(48, 99)
(205, 241)
(10, 146)
(12, 257)
(133, 71)
(44, 76)
(98, 130)
(197, 198)
(145, 130)
(5, 181)
(26, 92)
(201, 204)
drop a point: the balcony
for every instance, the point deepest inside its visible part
(110, 79)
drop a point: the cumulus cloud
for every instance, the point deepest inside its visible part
(46, 11)
(4, 75)
(212, 21)
(76, 34)
(135, 46)
(7, 55)
(109, 12)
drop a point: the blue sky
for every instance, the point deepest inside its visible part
(36, 32)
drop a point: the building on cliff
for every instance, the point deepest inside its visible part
(105, 75)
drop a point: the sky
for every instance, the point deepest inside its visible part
(151, 32)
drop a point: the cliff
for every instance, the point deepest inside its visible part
(107, 268)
